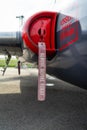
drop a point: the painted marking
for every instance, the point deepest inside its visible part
(42, 71)
(69, 27)
(68, 34)
(65, 20)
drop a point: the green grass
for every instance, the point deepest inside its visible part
(12, 63)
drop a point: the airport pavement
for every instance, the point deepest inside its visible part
(65, 107)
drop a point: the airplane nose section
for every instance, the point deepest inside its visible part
(41, 27)
(57, 30)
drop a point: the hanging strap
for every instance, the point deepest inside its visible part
(41, 71)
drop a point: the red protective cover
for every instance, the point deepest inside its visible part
(41, 27)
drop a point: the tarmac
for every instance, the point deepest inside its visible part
(65, 107)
